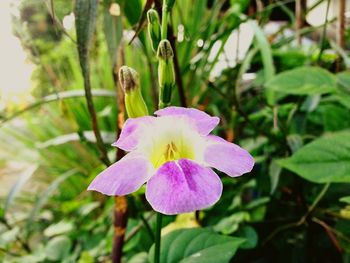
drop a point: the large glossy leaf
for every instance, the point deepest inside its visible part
(303, 81)
(196, 245)
(324, 160)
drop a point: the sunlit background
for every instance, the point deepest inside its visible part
(15, 67)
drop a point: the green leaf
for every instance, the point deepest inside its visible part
(59, 228)
(265, 50)
(250, 236)
(85, 20)
(132, 10)
(345, 199)
(58, 248)
(324, 160)
(196, 245)
(23, 178)
(113, 30)
(303, 81)
(70, 94)
(343, 92)
(335, 118)
(141, 257)
(343, 79)
(45, 196)
(274, 173)
(267, 59)
(9, 236)
(230, 224)
(2, 212)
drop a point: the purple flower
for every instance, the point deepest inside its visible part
(174, 154)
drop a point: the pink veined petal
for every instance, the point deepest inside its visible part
(123, 177)
(227, 157)
(183, 186)
(132, 132)
(203, 121)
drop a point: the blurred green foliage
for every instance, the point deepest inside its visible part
(288, 109)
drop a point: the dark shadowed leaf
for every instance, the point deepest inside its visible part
(250, 235)
(345, 199)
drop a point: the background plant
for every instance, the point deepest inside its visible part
(293, 116)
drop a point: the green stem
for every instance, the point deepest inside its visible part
(164, 20)
(315, 202)
(158, 238)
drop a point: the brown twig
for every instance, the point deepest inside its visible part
(120, 221)
(84, 29)
(121, 203)
(329, 232)
(134, 231)
(341, 24)
(340, 30)
(300, 18)
(324, 33)
(95, 127)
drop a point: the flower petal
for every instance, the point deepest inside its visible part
(123, 177)
(227, 157)
(183, 186)
(204, 122)
(132, 132)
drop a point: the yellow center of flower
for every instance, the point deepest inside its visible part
(170, 151)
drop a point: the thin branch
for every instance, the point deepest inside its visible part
(341, 28)
(302, 219)
(329, 232)
(137, 228)
(324, 33)
(56, 97)
(56, 22)
(315, 203)
(91, 108)
(177, 69)
(300, 18)
(120, 202)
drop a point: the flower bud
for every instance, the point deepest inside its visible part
(153, 28)
(166, 75)
(128, 78)
(134, 103)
